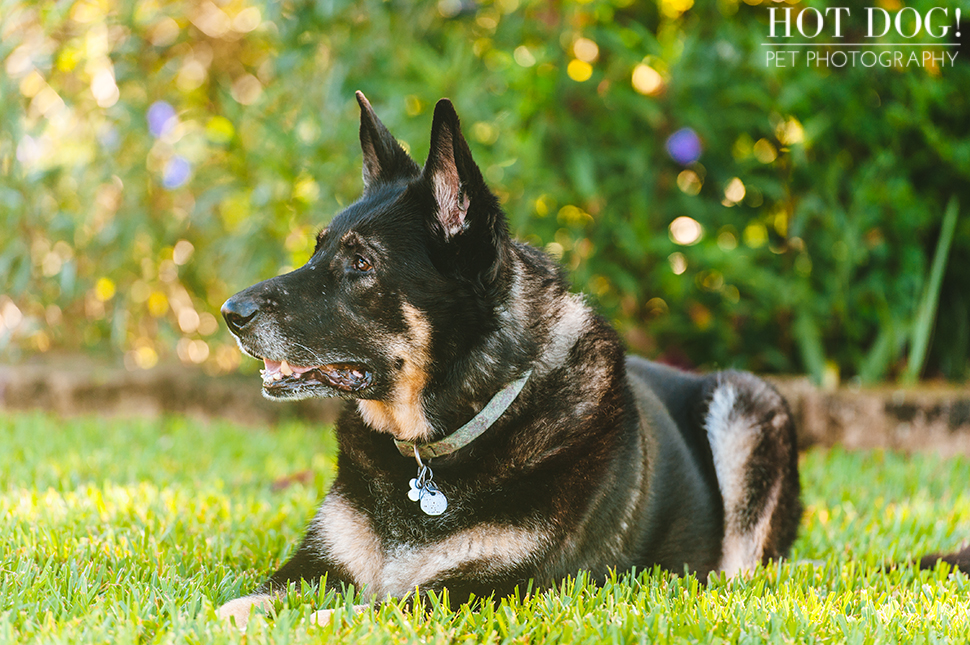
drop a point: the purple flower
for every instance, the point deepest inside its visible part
(161, 118)
(684, 146)
(177, 172)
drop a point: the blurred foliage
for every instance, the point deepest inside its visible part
(155, 157)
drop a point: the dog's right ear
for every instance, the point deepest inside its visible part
(466, 222)
(384, 158)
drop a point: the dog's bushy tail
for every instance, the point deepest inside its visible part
(960, 560)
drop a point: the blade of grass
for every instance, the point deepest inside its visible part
(926, 315)
(883, 351)
(809, 340)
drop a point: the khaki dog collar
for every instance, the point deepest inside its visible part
(471, 430)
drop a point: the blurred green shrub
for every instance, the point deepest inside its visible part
(157, 156)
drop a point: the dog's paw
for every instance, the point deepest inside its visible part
(237, 611)
(322, 617)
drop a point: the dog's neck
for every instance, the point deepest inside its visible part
(538, 331)
(470, 431)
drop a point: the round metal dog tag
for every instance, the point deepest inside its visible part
(433, 502)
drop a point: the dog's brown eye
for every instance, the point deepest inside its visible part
(361, 264)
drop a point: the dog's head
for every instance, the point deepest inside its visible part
(398, 284)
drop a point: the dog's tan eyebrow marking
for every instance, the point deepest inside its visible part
(351, 239)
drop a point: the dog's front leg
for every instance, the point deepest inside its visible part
(338, 550)
(308, 564)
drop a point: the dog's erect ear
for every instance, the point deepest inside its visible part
(454, 178)
(466, 217)
(384, 158)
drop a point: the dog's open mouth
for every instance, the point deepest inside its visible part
(280, 377)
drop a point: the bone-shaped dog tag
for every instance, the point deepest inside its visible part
(415, 493)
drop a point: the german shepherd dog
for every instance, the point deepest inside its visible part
(495, 431)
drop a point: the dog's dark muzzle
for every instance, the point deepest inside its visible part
(293, 366)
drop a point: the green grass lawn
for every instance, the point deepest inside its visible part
(134, 530)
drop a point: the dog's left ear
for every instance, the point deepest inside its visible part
(462, 200)
(384, 158)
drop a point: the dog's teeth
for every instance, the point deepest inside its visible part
(285, 369)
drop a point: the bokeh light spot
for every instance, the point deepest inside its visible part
(208, 324)
(213, 21)
(657, 306)
(727, 241)
(188, 320)
(161, 118)
(684, 146)
(177, 172)
(755, 235)
(104, 88)
(143, 357)
(735, 191)
(685, 230)
(191, 76)
(246, 89)
(646, 80)
(586, 50)
(32, 84)
(157, 304)
(689, 182)
(10, 314)
(219, 129)
(674, 8)
(306, 189)
(678, 263)
(764, 151)
(485, 133)
(449, 8)
(247, 20)
(104, 289)
(579, 70)
(523, 56)
(164, 33)
(182, 251)
(790, 132)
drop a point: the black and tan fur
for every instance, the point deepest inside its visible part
(417, 307)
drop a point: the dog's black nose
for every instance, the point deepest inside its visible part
(238, 313)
